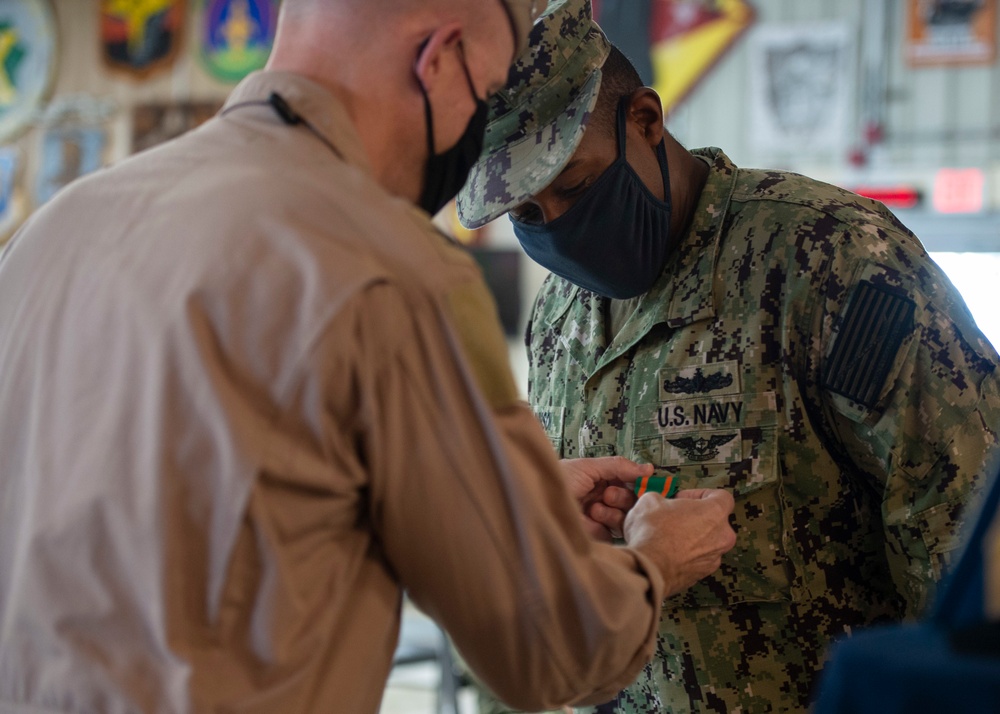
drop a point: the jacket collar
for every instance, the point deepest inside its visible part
(309, 100)
(684, 292)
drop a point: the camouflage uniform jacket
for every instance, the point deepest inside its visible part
(802, 350)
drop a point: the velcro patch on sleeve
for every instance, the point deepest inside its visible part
(474, 316)
(874, 326)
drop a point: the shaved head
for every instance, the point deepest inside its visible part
(368, 13)
(357, 28)
(388, 60)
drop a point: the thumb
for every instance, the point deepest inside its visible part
(630, 470)
(719, 497)
(696, 494)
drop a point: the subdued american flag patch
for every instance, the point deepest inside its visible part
(875, 324)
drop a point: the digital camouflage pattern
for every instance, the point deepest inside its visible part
(537, 119)
(522, 14)
(802, 350)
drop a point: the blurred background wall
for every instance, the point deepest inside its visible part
(898, 99)
(85, 83)
(895, 99)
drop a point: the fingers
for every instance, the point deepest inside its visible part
(724, 499)
(611, 510)
(597, 531)
(650, 499)
(580, 480)
(587, 478)
(695, 493)
(630, 470)
(614, 469)
(611, 518)
(685, 536)
(617, 497)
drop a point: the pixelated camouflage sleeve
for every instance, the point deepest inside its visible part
(910, 395)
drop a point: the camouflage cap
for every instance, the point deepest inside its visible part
(538, 118)
(523, 14)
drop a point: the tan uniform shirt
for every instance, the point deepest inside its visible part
(247, 397)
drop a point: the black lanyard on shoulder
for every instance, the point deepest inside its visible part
(287, 114)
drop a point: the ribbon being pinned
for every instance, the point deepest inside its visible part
(665, 485)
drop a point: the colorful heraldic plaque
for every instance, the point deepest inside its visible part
(27, 62)
(141, 36)
(68, 152)
(237, 36)
(688, 38)
(674, 44)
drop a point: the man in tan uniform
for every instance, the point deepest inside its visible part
(248, 395)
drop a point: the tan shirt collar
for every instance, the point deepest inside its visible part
(313, 102)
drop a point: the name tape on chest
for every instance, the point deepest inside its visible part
(683, 415)
(706, 414)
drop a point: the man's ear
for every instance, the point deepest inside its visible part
(646, 110)
(429, 63)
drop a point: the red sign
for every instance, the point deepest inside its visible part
(890, 196)
(959, 191)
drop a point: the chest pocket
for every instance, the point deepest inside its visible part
(552, 422)
(726, 442)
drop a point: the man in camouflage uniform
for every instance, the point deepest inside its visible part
(797, 346)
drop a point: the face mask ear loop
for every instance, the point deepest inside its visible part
(622, 112)
(661, 156)
(428, 116)
(465, 68)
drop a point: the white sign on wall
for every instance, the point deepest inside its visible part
(801, 87)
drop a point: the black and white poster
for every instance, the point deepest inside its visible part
(801, 80)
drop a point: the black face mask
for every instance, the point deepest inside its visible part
(615, 240)
(446, 173)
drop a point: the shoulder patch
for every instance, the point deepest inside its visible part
(873, 327)
(475, 319)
